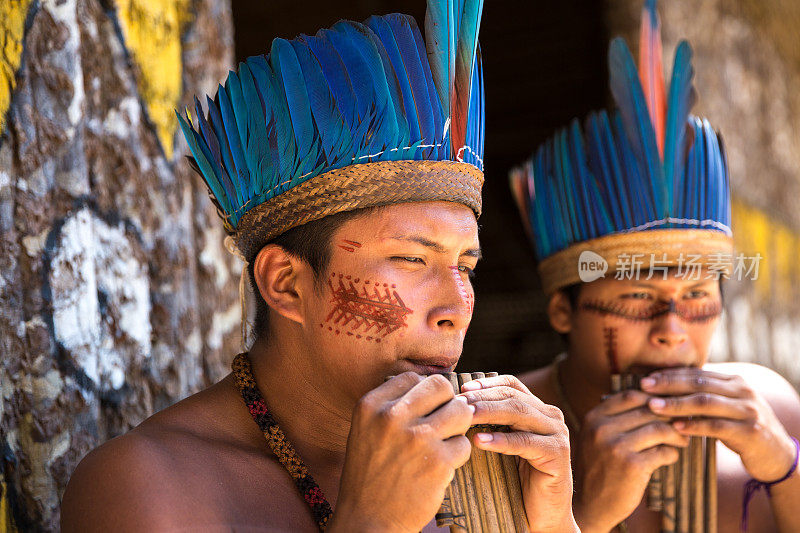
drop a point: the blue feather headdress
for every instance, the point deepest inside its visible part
(355, 116)
(628, 181)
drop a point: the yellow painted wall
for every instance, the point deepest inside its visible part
(757, 232)
(12, 27)
(152, 32)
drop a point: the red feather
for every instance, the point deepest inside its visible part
(651, 72)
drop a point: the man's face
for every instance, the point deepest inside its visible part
(396, 295)
(619, 325)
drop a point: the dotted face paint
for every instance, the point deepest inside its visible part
(467, 295)
(610, 339)
(689, 311)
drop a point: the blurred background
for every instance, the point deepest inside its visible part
(116, 295)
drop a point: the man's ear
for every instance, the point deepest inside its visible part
(559, 311)
(276, 274)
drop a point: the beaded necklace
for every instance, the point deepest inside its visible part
(278, 443)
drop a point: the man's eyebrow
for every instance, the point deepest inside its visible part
(435, 246)
(473, 252)
(655, 287)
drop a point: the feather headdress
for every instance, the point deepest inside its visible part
(355, 116)
(628, 180)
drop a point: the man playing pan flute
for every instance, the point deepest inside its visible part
(347, 169)
(630, 218)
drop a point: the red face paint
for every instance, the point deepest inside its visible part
(693, 312)
(610, 336)
(466, 295)
(350, 246)
(368, 309)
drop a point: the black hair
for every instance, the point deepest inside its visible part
(310, 243)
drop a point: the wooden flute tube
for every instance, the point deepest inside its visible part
(452, 512)
(669, 509)
(711, 486)
(697, 488)
(685, 492)
(485, 494)
(655, 490)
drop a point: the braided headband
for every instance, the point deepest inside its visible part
(357, 187)
(668, 247)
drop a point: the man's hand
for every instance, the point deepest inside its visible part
(622, 443)
(539, 437)
(726, 407)
(406, 440)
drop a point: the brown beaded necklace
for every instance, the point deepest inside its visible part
(278, 443)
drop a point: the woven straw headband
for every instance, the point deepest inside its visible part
(669, 247)
(356, 187)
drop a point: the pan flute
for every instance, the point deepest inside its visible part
(684, 492)
(485, 494)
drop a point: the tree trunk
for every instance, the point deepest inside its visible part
(116, 295)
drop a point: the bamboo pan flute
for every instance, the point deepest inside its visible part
(684, 492)
(485, 494)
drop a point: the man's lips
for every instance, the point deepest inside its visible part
(437, 365)
(644, 370)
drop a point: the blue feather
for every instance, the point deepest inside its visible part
(256, 145)
(234, 88)
(219, 130)
(202, 162)
(242, 174)
(360, 40)
(474, 137)
(573, 146)
(600, 159)
(627, 91)
(637, 185)
(440, 150)
(284, 151)
(357, 71)
(336, 75)
(408, 71)
(210, 138)
(441, 23)
(330, 124)
(285, 63)
(287, 68)
(680, 102)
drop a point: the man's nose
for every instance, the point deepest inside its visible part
(668, 331)
(454, 300)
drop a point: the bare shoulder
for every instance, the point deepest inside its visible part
(158, 475)
(771, 386)
(540, 383)
(118, 486)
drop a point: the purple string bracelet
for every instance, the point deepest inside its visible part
(754, 485)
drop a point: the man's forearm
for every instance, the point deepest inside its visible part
(785, 499)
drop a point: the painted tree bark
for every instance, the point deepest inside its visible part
(116, 295)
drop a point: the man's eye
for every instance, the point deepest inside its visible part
(695, 295)
(409, 259)
(637, 296)
(470, 271)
